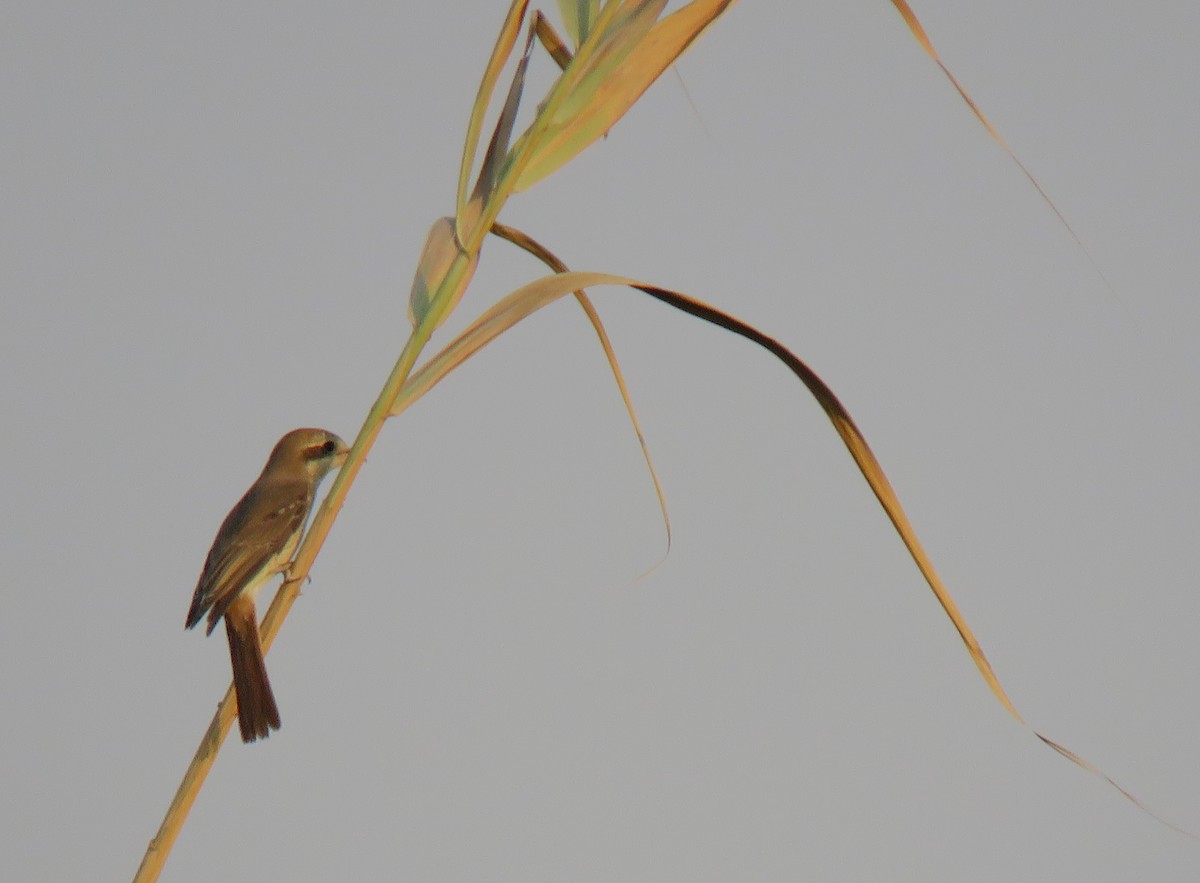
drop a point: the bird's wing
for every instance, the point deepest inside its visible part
(252, 536)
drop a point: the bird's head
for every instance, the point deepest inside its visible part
(313, 451)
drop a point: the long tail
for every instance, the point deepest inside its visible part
(257, 712)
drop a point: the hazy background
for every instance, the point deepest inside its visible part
(209, 218)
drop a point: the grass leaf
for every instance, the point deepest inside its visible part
(918, 32)
(578, 16)
(505, 41)
(552, 261)
(595, 104)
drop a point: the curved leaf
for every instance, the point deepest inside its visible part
(532, 297)
(535, 248)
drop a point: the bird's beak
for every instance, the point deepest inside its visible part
(340, 457)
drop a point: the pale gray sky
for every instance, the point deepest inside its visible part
(208, 224)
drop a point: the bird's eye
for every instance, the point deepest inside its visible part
(329, 447)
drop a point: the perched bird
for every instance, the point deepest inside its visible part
(256, 541)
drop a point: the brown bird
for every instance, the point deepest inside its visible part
(256, 541)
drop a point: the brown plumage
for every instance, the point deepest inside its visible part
(256, 541)
(257, 712)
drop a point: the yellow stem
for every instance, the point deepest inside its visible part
(206, 754)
